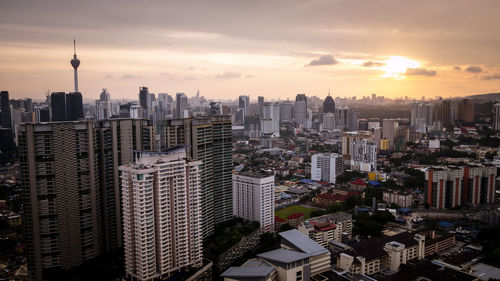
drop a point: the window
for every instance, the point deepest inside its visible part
(299, 275)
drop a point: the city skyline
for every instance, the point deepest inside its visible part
(226, 49)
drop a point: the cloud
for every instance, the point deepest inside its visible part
(130, 76)
(323, 60)
(457, 68)
(228, 75)
(492, 77)
(420, 71)
(109, 76)
(249, 76)
(373, 64)
(474, 69)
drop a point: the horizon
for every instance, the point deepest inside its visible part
(393, 49)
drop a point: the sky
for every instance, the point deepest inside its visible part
(274, 49)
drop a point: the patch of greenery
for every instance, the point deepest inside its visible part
(226, 235)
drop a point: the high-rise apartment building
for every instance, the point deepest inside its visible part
(62, 197)
(143, 99)
(4, 110)
(300, 110)
(181, 109)
(342, 114)
(350, 137)
(466, 111)
(452, 186)
(286, 112)
(496, 117)
(389, 130)
(329, 121)
(443, 113)
(74, 106)
(253, 199)
(352, 120)
(69, 173)
(269, 120)
(209, 140)
(103, 106)
(161, 214)
(326, 167)
(260, 101)
(363, 155)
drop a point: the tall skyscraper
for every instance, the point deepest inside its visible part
(328, 104)
(300, 110)
(244, 103)
(326, 166)
(352, 120)
(329, 121)
(143, 99)
(269, 120)
(62, 198)
(161, 214)
(364, 155)
(181, 109)
(74, 106)
(286, 112)
(342, 115)
(389, 127)
(253, 199)
(209, 140)
(4, 110)
(70, 181)
(103, 105)
(496, 117)
(58, 106)
(466, 111)
(75, 63)
(260, 100)
(443, 113)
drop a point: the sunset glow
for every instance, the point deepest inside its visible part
(396, 66)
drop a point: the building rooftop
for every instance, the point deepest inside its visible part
(283, 256)
(299, 241)
(427, 271)
(486, 272)
(374, 248)
(251, 269)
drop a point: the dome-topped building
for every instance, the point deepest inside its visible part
(329, 104)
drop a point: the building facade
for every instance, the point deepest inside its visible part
(253, 199)
(452, 186)
(209, 140)
(69, 173)
(326, 167)
(326, 228)
(161, 214)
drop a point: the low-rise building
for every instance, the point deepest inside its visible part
(371, 256)
(299, 258)
(330, 227)
(401, 198)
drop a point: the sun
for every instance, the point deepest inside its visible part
(396, 66)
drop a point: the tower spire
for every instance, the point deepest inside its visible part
(75, 63)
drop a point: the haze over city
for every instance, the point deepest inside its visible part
(274, 49)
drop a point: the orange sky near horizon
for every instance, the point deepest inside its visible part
(279, 49)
